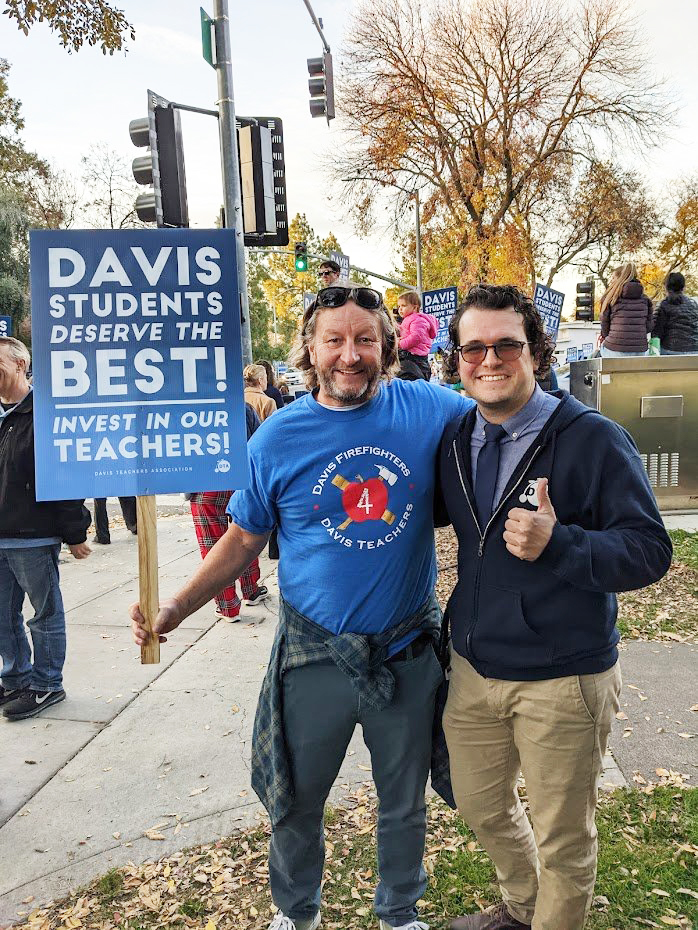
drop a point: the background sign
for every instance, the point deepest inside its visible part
(137, 363)
(587, 350)
(441, 304)
(343, 262)
(573, 354)
(5, 325)
(549, 304)
(307, 300)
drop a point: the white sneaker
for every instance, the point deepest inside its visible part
(412, 925)
(282, 922)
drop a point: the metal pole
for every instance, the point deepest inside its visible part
(230, 162)
(418, 244)
(316, 22)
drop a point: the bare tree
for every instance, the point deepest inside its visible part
(111, 188)
(594, 221)
(479, 105)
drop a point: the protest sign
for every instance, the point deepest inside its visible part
(307, 300)
(573, 354)
(441, 304)
(137, 363)
(5, 325)
(343, 262)
(587, 350)
(549, 305)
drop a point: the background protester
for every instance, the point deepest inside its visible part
(255, 385)
(210, 523)
(676, 320)
(272, 388)
(329, 273)
(31, 533)
(626, 315)
(417, 333)
(128, 509)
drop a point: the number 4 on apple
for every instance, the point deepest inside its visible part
(360, 497)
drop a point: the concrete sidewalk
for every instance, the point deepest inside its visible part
(138, 761)
(141, 761)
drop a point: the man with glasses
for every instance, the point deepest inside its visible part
(347, 474)
(554, 514)
(328, 273)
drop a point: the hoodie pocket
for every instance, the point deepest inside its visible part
(502, 635)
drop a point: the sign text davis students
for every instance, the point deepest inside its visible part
(554, 514)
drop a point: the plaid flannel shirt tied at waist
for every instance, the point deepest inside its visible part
(299, 641)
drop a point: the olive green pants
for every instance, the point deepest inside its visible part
(555, 732)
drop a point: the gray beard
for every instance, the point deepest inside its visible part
(357, 396)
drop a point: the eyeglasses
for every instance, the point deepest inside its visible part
(364, 297)
(508, 350)
(326, 274)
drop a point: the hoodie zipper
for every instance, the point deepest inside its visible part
(503, 501)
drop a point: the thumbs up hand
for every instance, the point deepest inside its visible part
(528, 532)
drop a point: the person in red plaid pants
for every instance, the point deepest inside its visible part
(210, 523)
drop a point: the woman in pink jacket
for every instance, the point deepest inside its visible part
(417, 332)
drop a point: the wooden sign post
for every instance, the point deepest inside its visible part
(148, 574)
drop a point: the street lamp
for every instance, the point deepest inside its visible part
(417, 229)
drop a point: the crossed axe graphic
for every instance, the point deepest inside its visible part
(384, 474)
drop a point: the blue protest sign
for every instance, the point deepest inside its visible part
(5, 325)
(343, 262)
(549, 305)
(441, 304)
(137, 362)
(587, 350)
(307, 300)
(573, 354)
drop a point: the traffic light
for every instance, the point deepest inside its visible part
(162, 166)
(321, 86)
(585, 300)
(301, 251)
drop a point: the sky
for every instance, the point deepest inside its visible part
(72, 101)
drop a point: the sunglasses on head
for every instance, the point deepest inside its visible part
(364, 297)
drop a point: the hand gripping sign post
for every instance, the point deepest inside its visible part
(137, 372)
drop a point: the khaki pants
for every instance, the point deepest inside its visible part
(555, 732)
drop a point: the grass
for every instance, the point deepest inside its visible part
(667, 610)
(109, 885)
(648, 860)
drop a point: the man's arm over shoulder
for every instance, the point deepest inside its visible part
(628, 546)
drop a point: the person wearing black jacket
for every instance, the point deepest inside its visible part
(31, 533)
(676, 319)
(554, 514)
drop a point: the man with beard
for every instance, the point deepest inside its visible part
(347, 474)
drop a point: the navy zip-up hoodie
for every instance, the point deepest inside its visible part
(556, 616)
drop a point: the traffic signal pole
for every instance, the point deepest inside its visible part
(229, 161)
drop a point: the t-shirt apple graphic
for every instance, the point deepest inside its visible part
(365, 496)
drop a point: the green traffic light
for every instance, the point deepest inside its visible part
(301, 264)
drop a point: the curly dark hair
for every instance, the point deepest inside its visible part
(504, 297)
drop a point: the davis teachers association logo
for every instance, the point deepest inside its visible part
(366, 497)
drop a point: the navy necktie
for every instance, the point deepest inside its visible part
(486, 474)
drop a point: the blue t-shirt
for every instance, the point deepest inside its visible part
(352, 494)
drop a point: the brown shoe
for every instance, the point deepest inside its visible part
(494, 918)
